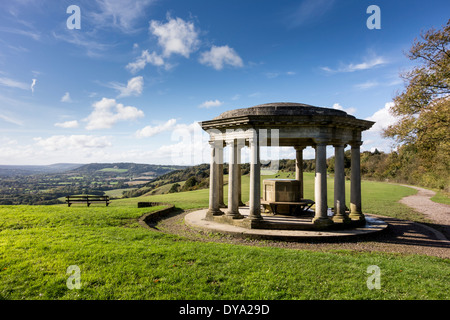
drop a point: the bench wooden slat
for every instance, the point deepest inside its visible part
(88, 199)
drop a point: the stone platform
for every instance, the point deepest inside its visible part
(282, 227)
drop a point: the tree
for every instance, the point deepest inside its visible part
(423, 108)
(174, 188)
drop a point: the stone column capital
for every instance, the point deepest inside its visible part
(299, 148)
(339, 144)
(356, 144)
(230, 141)
(321, 142)
(216, 143)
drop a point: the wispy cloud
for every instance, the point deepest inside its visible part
(210, 104)
(28, 33)
(272, 75)
(66, 97)
(145, 58)
(368, 63)
(150, 131)
(94, 47)
(217, 57)
(7, 82)
(67, 124)
(59, 142)
(134, 87)
(11, 120)
(307, 11)
(366, 85)
(120, 14)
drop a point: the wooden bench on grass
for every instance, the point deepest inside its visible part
(86, 199)
(294, 207)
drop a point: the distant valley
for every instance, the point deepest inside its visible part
(48, 184)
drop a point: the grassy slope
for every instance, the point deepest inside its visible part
(119, 259)
(441, 197)
(378, 198)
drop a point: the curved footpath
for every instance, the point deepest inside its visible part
(401, 236)
(437, 212)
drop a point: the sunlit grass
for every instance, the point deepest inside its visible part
(119, 259)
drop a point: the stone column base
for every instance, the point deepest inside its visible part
(213, 213)
(341, 219)
(322, 222)
(233, 215)
(357, 216)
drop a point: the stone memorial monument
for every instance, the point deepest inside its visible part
(285, 124)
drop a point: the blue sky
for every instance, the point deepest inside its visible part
(133, 81)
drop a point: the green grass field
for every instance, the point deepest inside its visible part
(119, 259)
(116, 170)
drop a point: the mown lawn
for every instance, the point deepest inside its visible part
(119, 259)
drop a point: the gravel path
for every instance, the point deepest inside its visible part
(437, 212)
(401, 236)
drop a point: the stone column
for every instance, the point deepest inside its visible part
(240, 145)
(233, 204)
(214, 183)
(355, 184)
(299, 168)
(255, 179)
(321, 218)
(339, 185)
(220, 169)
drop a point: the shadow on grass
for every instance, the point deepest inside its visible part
(399, 233)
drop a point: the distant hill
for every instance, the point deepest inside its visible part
(197, 177)
(125, 169)
(15, 170)
(49, 184)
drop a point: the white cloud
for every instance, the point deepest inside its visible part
(107, 112)
(217, 57)
(134, 87)
(146, 57)
(211, 103)
(351, 67)
(176, 36)
(383, 118)
(67, 124)
(66, 97)
(60, 142)
(337, 106)
(373, 138)
(150, 131)
(7, 82)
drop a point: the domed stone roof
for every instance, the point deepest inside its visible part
(283, 109)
